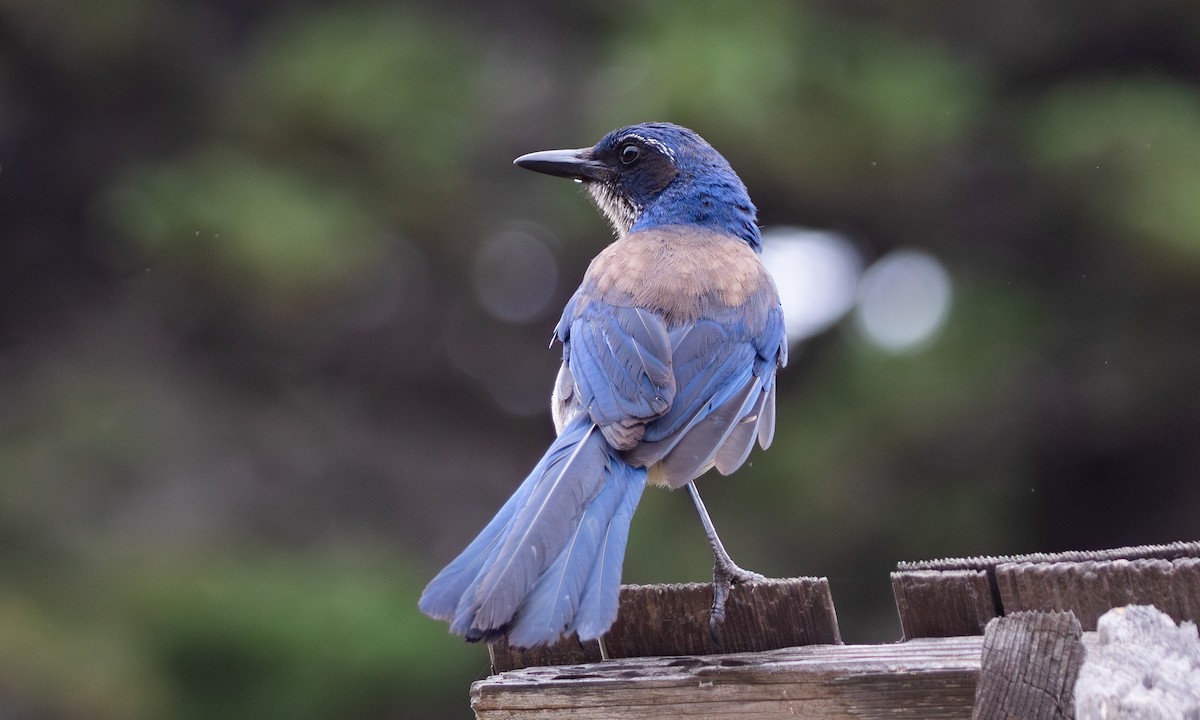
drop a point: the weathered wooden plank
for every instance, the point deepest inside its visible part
(932, 678)
(1141, 666)
(673, 620)
(936, 603)
(944, 597)
(1091, 588)
(1165, 551)
(1029, 666)
(1029, 659)
(568, 651)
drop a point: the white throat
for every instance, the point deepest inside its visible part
(620, 211)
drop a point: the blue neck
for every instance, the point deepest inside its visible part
(715, 203)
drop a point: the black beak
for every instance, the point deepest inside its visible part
(575, 164)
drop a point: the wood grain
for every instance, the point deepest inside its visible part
(780, 655)
(673, 620)
(1091, 588)
(1029, 666)
(952, 596)
(933, 678)
(943, 603)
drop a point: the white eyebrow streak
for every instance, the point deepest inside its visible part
(656, 144)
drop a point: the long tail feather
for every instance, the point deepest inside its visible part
(553, 607)
(541, 527)
(526, 572)
(442, 595)
(602, 593)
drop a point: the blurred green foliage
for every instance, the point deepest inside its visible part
(291, 637)
(251, 400)
(846, 81)
(260, 636)
(1128, 149)
(280, 234)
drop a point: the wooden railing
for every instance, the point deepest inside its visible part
(989, 637)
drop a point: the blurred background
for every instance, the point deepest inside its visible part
(274, 307)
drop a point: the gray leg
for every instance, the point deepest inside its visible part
(726, 573)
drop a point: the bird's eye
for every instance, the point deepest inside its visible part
(630, 153)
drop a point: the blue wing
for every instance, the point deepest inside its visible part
(620, 363)
(681, 399)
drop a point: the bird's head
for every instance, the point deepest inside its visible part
(654, 174)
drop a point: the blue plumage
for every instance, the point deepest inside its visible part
(579, 591)
(670, 348)
(622, 360)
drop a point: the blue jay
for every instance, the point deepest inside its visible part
(670, 347)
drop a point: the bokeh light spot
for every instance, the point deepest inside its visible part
(904, 299)
(817, 276)
(515, 275)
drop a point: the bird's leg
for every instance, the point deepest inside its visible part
(726, 572)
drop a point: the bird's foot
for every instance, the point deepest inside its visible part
(726, 574)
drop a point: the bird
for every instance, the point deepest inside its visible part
(670, 348)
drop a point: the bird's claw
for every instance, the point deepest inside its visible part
(725, 575)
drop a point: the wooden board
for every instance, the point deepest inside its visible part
(1165, 551)
(1091, 588)
(1029, 666)
(673, 620)
(943, 603)
(931, 679)
(1028, 659)
(953, 596)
